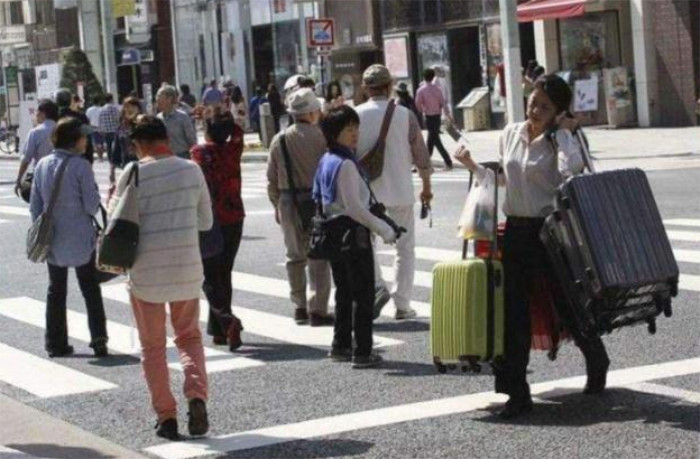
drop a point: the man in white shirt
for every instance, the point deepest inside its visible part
(405, 148)
(93, 114)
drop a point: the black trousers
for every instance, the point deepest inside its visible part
(432, 124)
(525, 259)
(56, 323)
(217, 281)
(354, 281)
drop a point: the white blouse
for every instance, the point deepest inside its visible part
(534, 170)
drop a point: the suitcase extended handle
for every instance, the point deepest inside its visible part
(585, 152)
(495, 166)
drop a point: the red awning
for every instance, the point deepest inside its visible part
(535, 10)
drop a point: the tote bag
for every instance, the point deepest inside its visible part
(41, 232)
(117, 245)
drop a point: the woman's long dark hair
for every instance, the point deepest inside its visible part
(329, 90)
(557, 90)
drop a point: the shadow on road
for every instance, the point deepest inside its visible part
(308, 449)
(615, 405)
(58, 451)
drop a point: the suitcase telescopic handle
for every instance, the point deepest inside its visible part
(585, 152)
(496, 168)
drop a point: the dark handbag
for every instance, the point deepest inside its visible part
(102, 276)
(117, 246)
(336, 238)
(373, 161)
(211, 242)
(306, 208)
(25, 187)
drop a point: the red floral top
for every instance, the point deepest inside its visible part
(221, 165)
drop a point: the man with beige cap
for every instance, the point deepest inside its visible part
(404, 149)
(305, 145)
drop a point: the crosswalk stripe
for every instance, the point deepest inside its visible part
(430, 254)
(688, 236)
(420, 279)
(689, 282)
(683, 222)
(392, 415)
(280, 288)
(123, 339)
(264, 324)
(687, 256)
(12, 210)
(3, 221)
(44, 378)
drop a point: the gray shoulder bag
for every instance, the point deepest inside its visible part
(40, 233)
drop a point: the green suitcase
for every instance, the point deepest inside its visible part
(467, 318)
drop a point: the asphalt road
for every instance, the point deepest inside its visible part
(285, 399)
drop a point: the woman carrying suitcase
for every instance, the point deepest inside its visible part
(537, 156)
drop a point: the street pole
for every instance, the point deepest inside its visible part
(511, 60)
(110, 64)
(173, 30)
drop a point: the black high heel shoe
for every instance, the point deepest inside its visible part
(516, 408)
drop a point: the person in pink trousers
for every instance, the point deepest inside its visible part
(174, 205)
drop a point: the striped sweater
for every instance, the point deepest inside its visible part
(174, 206)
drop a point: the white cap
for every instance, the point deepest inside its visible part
(303, 101)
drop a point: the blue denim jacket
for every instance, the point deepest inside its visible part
(78, 201)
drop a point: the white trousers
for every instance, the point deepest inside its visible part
(404, 260)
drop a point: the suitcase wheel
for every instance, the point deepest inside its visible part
(452, 367)
(465, 368)
(442, 369)
(475, 367)
(651, 327)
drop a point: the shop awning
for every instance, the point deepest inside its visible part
(535, 10)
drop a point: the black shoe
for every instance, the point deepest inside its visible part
(219, 340)
(100, 349)
(198, 423)
(340, 355)
(381, 298)
(63, 352)
(301, 317)
(168, 429)
(515, 408)
(366, 361)
(322, 320)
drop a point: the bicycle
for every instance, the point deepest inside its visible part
(9, 140)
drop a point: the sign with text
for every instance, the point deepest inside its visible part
(321, 32)
(48, 78)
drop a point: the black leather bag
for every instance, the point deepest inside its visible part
(336, 238)
(102, 276)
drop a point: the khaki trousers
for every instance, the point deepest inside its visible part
(296, 241)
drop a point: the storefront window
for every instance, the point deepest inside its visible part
(590, 42)
(433, 53)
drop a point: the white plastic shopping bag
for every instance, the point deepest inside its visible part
(476, 221)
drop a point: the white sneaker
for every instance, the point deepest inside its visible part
(405, 314)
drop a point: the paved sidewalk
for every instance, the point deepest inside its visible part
(648, 148)
(35, 433)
